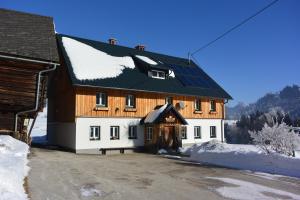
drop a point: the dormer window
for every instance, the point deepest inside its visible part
(157, 74)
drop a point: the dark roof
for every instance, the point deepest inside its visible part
(160, 118)
(137, 79)
(27, 35)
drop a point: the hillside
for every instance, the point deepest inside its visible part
(288, 99)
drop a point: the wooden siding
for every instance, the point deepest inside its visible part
(145, 102)
(61, 97)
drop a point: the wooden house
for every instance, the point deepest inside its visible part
(105, 96)
(28, 52)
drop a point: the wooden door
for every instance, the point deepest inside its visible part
(169, 137)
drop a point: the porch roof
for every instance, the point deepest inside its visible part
(156, 116)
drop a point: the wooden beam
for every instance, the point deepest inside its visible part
(18, 89)
(19, 69)
(10, 76)
(15, 93)
(14, 72)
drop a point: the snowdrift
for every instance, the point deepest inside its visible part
(13, 168)
(246, 157)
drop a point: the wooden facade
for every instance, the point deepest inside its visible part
(145, 103)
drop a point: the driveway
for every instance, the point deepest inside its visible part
(58, 175)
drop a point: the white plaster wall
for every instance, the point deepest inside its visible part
(205, 130)
(62, 134)
(83, 141)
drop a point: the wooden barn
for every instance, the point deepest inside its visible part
(28, 53)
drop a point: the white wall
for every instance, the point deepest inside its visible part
(205, 130)
(83, 141)
(62, 134)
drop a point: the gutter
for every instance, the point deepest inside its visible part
(38, 83)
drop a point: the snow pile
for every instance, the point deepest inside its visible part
(146, 59)
(247, 157)
(91, 63)
(152, 116)
(13, 168)
(244, 190)
(162, 151)
(40, 125)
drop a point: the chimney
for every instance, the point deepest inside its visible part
(112, 41)
(140, 47)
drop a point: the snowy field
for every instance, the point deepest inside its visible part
(13, 168)
(246, 157)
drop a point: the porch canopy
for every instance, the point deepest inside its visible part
(164, 114)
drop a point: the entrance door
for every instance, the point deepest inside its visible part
(169, 139)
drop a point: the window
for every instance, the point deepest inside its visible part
(213, 133)
(197, 105)
(169, 100)
(183, 132)
(158, 74)
(212, 105)
(149, 133)
(132, 134)
(101, 99)
(130, 101)
(95, 133)
(114, 132)
(197, 132)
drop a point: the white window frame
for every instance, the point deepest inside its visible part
(213, 102)
(183, 132)
(197, 134)
(102, 99)
(215, 131)
(93, 132)
(132, 132)
(115, 132)
(149, 133)
(157, 73)
(130, 101)
(197, 105)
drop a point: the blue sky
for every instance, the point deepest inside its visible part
(262, 56)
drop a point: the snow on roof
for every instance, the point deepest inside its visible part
(91, 63)
(146, 59)
(152, 116)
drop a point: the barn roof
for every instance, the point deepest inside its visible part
(98, 64)
(27, 35)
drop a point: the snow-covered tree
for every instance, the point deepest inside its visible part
(279, 138)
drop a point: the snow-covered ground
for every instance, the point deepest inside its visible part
(246, 157)
(244, 190)
(13, 168)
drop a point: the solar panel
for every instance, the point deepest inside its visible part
(192, 76)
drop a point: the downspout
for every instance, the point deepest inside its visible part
(37, 96)
(222, 121)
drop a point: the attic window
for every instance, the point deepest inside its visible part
(158, 74)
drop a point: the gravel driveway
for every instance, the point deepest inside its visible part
(58, 175)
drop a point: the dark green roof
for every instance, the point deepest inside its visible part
(137, 79)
